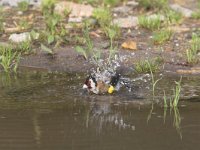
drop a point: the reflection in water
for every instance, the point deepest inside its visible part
(45, 111)
(37, 129)
(101, 114)
(174, 111)
(176, 117)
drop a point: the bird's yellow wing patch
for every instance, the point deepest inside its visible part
(111, 89)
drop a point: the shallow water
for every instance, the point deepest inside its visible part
(50, 111)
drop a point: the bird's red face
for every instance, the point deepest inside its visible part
(90, 84)
(87, 84)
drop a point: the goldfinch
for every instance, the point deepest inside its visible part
(97, 86)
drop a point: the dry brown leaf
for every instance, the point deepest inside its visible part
(94, 34)
(130, 45)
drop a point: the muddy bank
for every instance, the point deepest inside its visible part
(172, 53)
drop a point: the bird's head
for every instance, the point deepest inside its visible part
(113, 83)
(90, 84)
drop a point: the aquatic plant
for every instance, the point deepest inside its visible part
(161, 36)
(9, 59)
(165, 100)
(154, 82)
(151, 23)
(23, 6)
(174, 100)
(176, 92)
(176, 118)
(177, 121)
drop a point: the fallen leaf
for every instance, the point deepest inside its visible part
(95, 34)
(129, 45)
(46, 49)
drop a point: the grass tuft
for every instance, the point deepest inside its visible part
(177, 92)
(192, 52)
(23, 6)
(2, 17)
(147, 66)
(153, 23)
(24, 47)
(159, 37)
(103, 17)
(9, 58)
(48, 7)
(174, 100)
(172, 17)
(153, 4)
(196, 15)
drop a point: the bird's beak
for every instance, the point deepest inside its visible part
(85, 86)
(111, 89)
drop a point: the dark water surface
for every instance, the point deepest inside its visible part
(50, 112)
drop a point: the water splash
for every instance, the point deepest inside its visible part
(104, 69)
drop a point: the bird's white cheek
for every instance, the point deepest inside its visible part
(85, 86)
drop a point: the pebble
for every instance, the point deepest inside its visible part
(132, 3)
(21, 37)
(155, 16)
(77, 10)
(129, 22)
(186, 12)
(14, 3)
(122, 9)
(75, 20)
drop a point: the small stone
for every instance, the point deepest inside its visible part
(128, 22)
(75, 20)
(105, 45)
(14, 3)
(122, 9)
(177, 44)
(76, 10)
(20, 13)
(132, 3)
(186, 12)
(21, 37)
(155, 16)
(132, 54)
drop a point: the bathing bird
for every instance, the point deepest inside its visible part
(102, 85)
